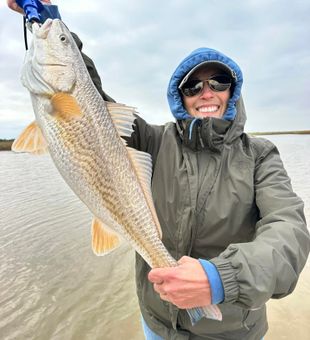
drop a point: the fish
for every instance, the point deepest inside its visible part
(86, 139)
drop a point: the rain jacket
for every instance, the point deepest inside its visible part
(222, 196)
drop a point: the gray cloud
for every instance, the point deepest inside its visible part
(136, 45)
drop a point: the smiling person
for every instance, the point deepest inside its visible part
(226, 207)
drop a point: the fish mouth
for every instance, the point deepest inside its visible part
(41, 31)
(53, 64)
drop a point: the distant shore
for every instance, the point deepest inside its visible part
(5, 144)
(301, 132)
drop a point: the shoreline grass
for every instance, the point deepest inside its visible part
(301, 132)
(5, 144)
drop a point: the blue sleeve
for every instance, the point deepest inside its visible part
(217, 289)
(37, 11)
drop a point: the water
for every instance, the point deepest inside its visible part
(295, 154)
(51, 284)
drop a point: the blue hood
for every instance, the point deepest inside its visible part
(196, 57)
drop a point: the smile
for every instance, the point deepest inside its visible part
(208, 109)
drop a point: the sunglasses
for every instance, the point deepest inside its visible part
(217, 83)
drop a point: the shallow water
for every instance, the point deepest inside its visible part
(51, 284)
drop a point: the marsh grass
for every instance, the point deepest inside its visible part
(5, 144)
(301, 132)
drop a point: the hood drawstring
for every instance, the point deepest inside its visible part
(191, 127)
(181, 128)
(198, 131)
(200, 137)
(206, 133)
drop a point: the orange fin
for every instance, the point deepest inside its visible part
(65, 106)
(31, 140)
(103, 240)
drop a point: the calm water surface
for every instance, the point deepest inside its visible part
(51, 284)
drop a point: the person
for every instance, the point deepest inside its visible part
(226, 207)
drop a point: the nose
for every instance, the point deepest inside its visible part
(206, 91)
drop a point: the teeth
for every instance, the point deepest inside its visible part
(208, 109)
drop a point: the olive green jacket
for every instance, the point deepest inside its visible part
(230, 202)
(222, 196)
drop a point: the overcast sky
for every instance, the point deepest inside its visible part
(137, 44)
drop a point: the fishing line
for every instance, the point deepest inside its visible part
(25, 33)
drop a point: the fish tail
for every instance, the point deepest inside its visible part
(210, 312)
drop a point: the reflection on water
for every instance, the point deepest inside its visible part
(51, 284)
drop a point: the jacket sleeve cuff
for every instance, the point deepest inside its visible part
(228, 277)
(217, 289)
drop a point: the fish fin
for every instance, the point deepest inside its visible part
(65, 106)
(142, 163)
(31, 140)
(103, 240)
(123, 117)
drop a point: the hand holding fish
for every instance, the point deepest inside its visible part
(186, 285)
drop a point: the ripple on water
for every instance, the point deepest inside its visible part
(51, 284)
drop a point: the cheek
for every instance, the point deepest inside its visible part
(225, 96)
(187, 103)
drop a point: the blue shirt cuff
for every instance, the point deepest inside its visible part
(217, 289)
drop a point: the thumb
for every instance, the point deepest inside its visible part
(185, 259)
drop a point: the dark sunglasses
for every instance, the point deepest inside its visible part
(217, 83)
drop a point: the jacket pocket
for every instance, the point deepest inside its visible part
(252, 316)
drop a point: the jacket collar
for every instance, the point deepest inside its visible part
(199, 134)
(211, 133)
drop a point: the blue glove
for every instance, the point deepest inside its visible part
(49, 11)
(36, 11)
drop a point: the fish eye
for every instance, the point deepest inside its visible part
(63, 38)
